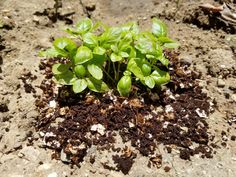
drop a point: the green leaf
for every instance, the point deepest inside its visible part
(83, 55)
(84, 26)
(127, 73)
(80, 70)
(64, 44)
(133, 66)
(167, 42)
(145, 45)
(149, 81)
(124, 86)
(163, 60)
(79, 85)
(51, 53)
(150, 56)
(160, 77)
(95, 71)
(115, 58)
(124, 43)
(72, 32)
(97, 60)
(158, 28)
(110, 37)
(131, 26)
(171, 45)
(65, 78)
(146, 69)
(132, 52)
(99, 50)
(124, 54)
(114, 48)
(96, 85)
(90, 40)
(60, 68)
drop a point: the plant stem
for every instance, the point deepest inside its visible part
(114, 68)
(108, 75)
(109, 66)
(118, 71)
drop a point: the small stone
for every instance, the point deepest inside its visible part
(63, 111)
(17, 146)
(167, 168)
(64, 157)
(29, 153)
(233, 97)
(224, 138)
(41, 134)
(53, 174)
(90, 7)
(184, 129)
(35, 19)
(220, 83)
(131, 125)
(233, 138)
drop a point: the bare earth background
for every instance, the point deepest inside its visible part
(210, 50)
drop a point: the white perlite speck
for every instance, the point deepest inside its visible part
(52, 104)
(148, 117)
(201, 113)
(169, 108)
(98, 128)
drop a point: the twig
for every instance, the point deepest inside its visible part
(84, 9)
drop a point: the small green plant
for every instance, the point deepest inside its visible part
(117, 57)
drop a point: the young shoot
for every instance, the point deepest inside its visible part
(116, 58)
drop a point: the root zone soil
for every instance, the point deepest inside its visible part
(176, 117)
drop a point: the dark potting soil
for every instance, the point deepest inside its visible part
(176, 117)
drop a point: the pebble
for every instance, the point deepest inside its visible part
(17, 145)
(29, 153)
(220, 83)
(53, 174)
(64, 157)
(90, 7)
(233, 97)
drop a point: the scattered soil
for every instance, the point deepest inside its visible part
(176, 118)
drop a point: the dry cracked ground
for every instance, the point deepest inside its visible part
(206, 42)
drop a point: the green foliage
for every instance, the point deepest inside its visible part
(117, 57)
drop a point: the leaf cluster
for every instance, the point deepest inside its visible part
(111, 57)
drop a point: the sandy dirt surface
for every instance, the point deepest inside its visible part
(206, 42)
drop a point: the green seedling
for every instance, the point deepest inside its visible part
(116, 58)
